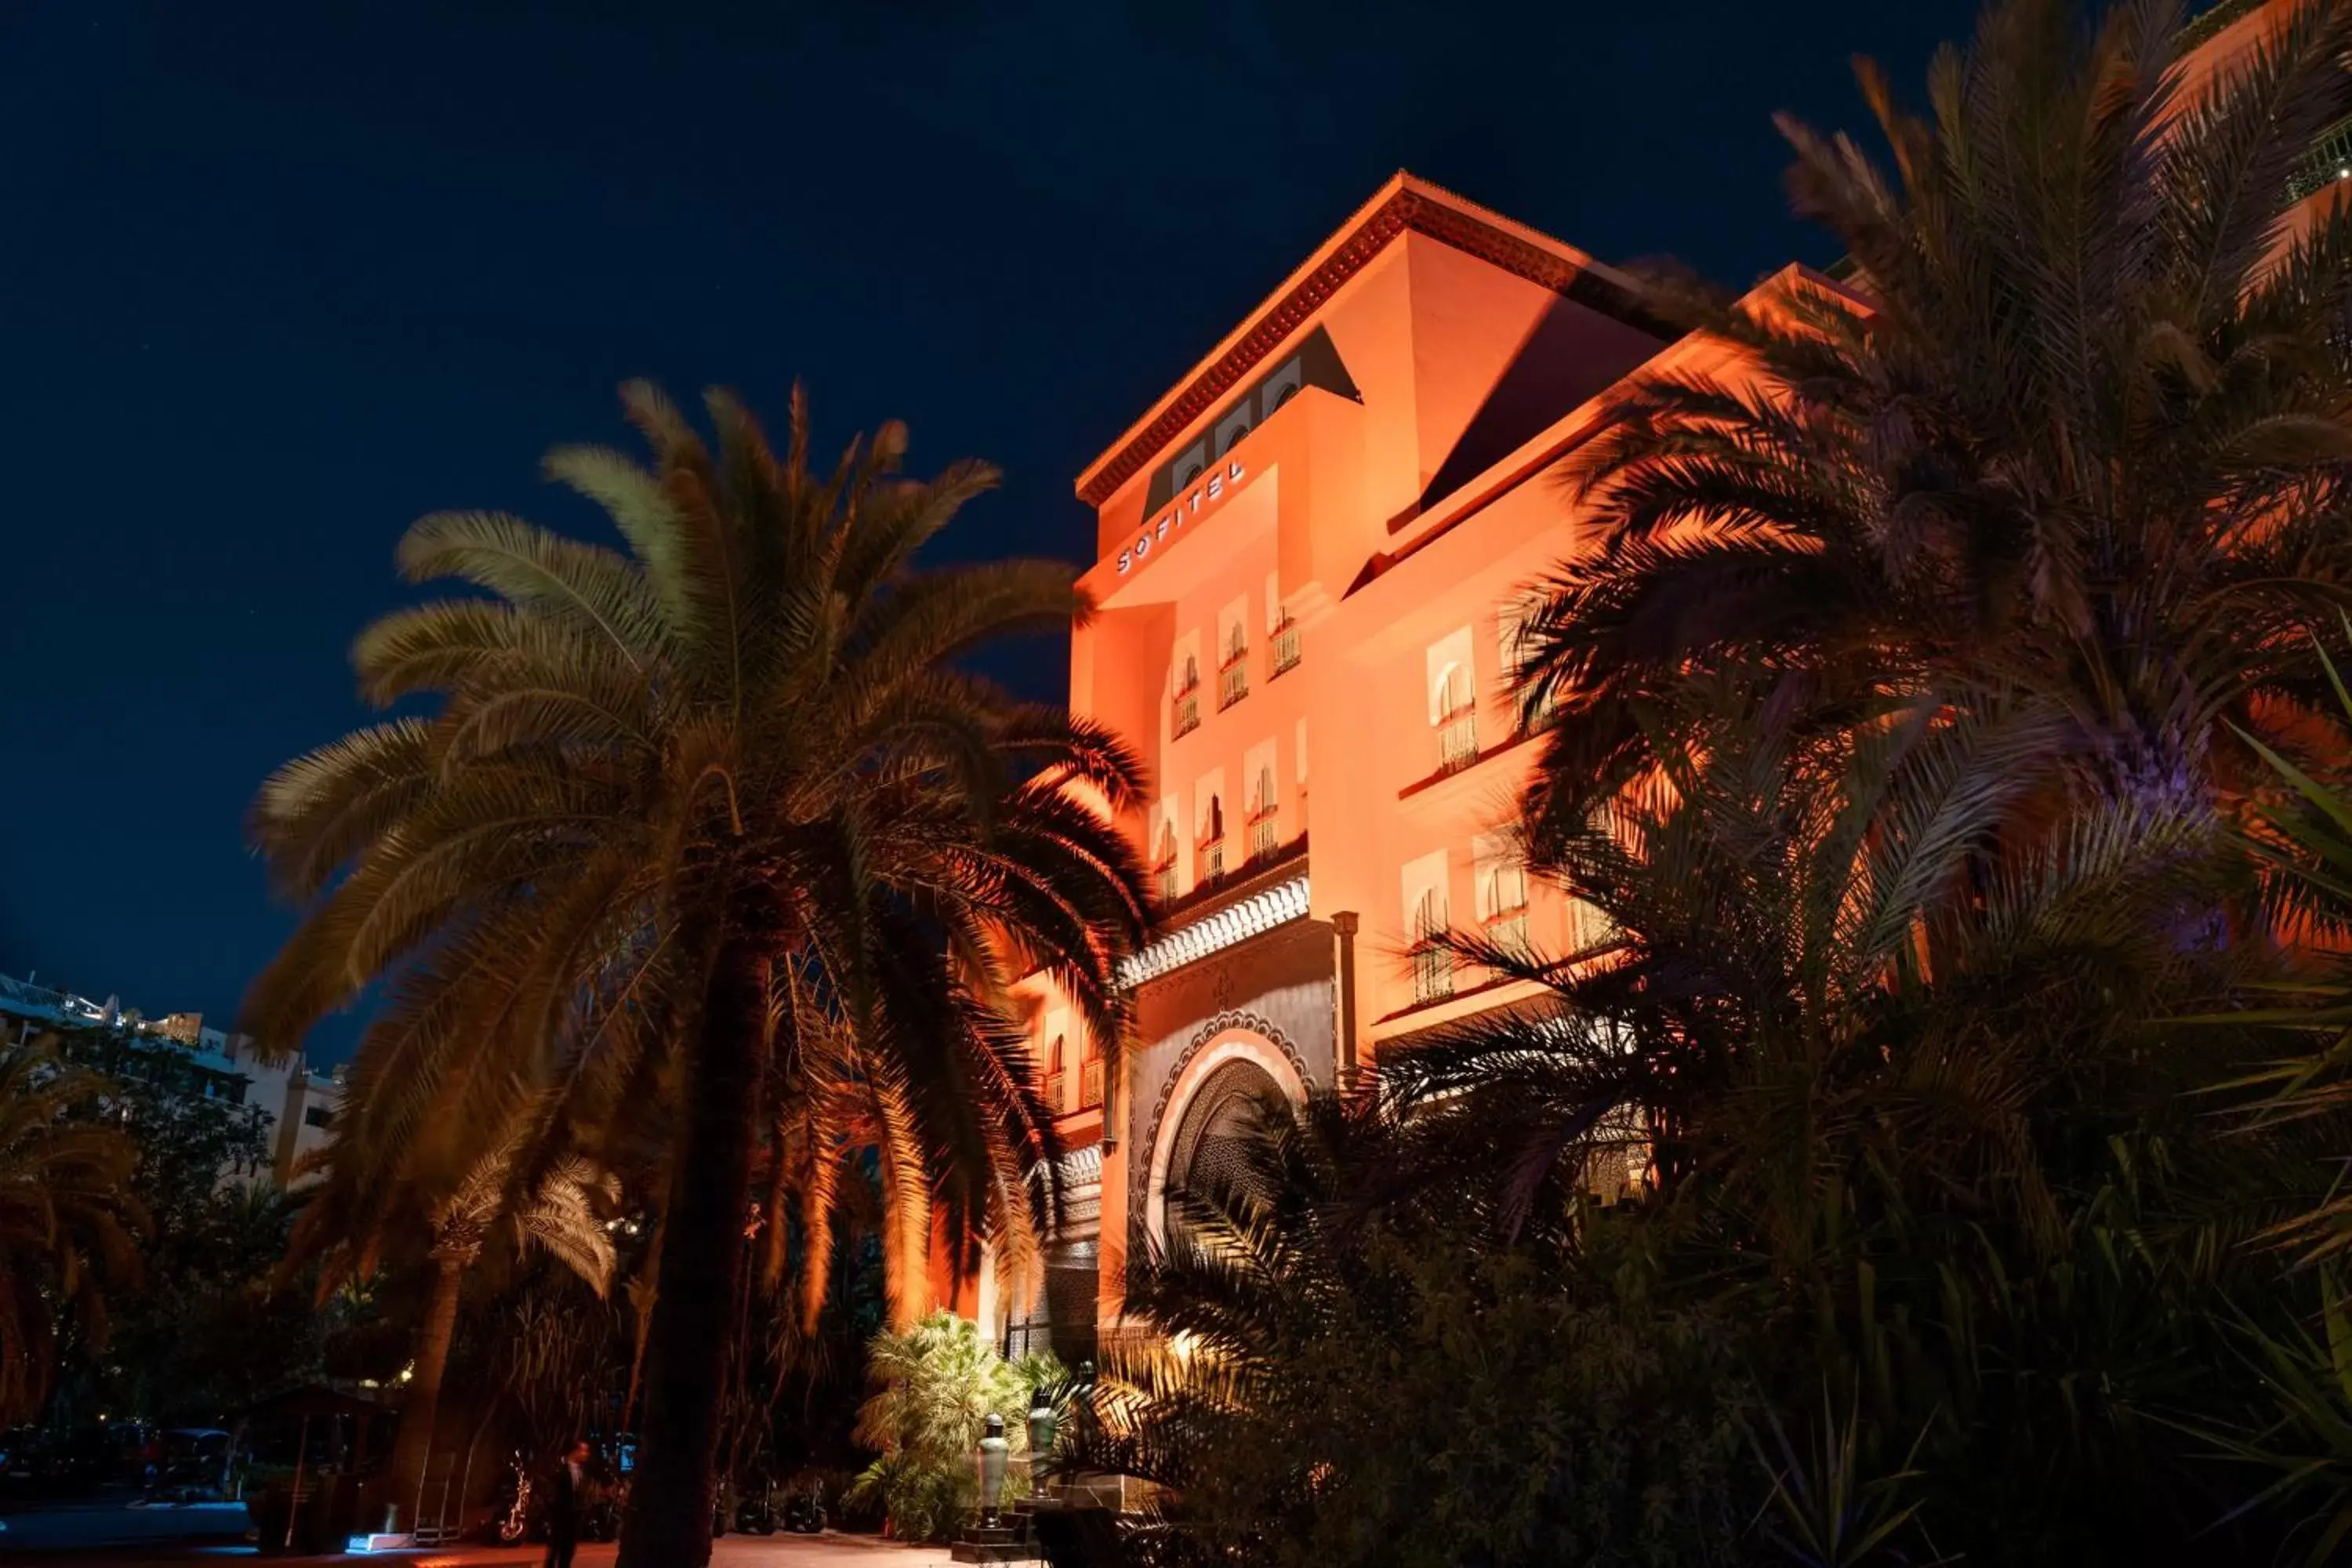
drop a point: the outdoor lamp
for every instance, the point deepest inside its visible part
(992, 1471)
(1041, 1439)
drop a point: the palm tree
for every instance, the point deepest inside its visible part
(1913, 1118)
(664, 788)
(355, 1213)
(2073, 442)
(69, 1218)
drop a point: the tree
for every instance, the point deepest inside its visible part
(551, 1209)
(1412, 1385)
(2070, 448)
(1941, 1156)
(665, 786)
(69, 1218)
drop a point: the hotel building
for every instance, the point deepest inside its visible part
(1313, 555)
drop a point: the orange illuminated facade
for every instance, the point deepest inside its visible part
(1312, 557)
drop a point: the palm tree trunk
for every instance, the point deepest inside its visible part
(701, 1267)
(414, 1445)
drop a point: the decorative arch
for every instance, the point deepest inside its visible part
(1230, 1036)
(1451, 694)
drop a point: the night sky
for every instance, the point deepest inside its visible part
(276, 278)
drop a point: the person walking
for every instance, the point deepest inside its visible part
(566, 1501)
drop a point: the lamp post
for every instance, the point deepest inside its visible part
(1041, 1439)
(992, 1449)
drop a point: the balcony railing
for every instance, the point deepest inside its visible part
(1457, 741)
(1163, 879)
(1090, 1084)
(1286, 648)
(1053, 1083)
(2328, 162)
(1264, 835)
(1212, 861)
(1232, 680)
(1433, 973)
(1185, 713)
(1508, 931)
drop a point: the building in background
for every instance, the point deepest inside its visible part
(298, 1104)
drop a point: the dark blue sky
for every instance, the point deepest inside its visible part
(275, 279)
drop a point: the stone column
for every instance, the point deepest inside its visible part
(1343, 996)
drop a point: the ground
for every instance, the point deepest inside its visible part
(826, 1551)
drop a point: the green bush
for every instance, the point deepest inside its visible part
(940, 1382)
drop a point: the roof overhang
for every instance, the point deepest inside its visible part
(1404, 205)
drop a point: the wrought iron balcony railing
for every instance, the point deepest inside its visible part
(1232, 680)
(1263, 836)
(1457, 741)
(1184, 716)
(1433, 973)
(1286, 648)
(1090, 1084)
(1508, 931)
(1052, 1090)
(1163, 879)
(1212, 861)
(2328, 162)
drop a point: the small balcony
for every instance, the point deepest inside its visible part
(1508, 931)
(1090, 1084)
(1286, 648)
(1264, 835)
(1163, 883)
(1185, 714)
(1054, 1083)
(1212, 861)
(1433, 973)
(2328, 162)
(1232, 680)
(1457, 741)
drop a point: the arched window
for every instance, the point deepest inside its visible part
(1191, 679)
(1263, 836)
(1450, 696)
(1164, 866)
(1433, 964)
(1456, 714)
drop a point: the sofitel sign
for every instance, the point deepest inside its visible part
(1216, 487)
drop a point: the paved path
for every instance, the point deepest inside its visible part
(826, 1551)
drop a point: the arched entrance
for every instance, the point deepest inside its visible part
(1208, 1112)
(1211, 1149)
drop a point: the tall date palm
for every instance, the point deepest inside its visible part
(2076, 437)
(663, 788)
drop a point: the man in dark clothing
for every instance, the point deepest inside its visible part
(566, 1499)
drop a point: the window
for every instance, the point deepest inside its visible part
(1213, 842)
(1433, 964)
(1185, 714)
(1233, 675)
(1164, 869)
(1457, 720)
(1053, 1073)
(1502, 887)
(1091, 1079)
(318, 1116)
(1285, 645)
(1263, 826)
(1511, 640)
